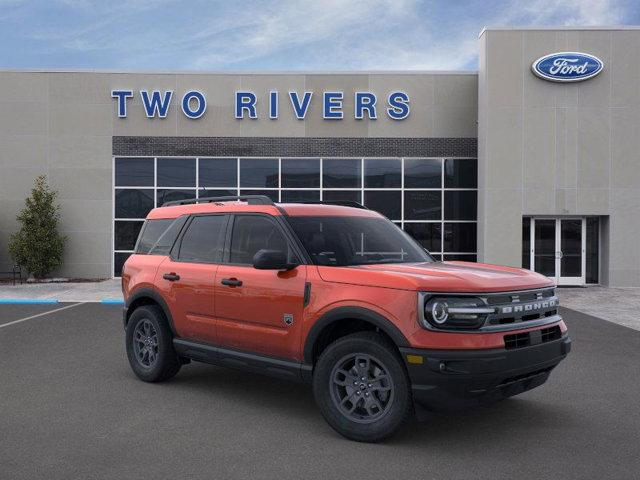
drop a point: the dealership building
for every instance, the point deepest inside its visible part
(533, 160)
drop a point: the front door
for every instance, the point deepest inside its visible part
(259, 310)
(558, 249)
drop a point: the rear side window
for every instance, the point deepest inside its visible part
(204, 239)
(252, 233)
(151, 232)
(168, 238)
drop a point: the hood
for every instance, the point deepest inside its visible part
(438, 277)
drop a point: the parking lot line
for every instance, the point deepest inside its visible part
(40, 314)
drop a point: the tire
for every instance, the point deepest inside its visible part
(152, 357)
(384, 403)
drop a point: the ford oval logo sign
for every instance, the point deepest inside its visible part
(567, 66)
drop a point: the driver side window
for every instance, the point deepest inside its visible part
(252, 233)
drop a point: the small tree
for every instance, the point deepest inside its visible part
(37, 246)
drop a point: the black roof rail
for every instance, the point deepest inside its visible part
(341, 203)
(250, 199)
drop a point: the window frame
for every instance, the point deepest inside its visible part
(177, 245)
(292, 240)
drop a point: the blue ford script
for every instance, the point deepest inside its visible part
(567, 66)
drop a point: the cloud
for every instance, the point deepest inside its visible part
(285, 34)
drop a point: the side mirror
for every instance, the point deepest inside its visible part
(272, 260)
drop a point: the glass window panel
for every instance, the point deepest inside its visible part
(461, 258)
(176, 172)
(526, 242)
(571, 248)
(437, 257)
(163, 244)
(125, 235)
(300, 173)
(426, 234)
(134, 172)
(593, 245)
(382, 173)
(166, 195)
(118, 261)
(259, 172)
(342, 196)
(545, 247)
(252, 233)
(153, 229)
(460, 237)
(341, 173)
(422, 173)
(133, 203)
(461, 173)
(300, 196)
(388, 204)
(460, 205)
(204, 239)
(202, 193)
(272, 194)
(425, 205)
(218, 172)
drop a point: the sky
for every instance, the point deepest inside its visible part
(277, 35)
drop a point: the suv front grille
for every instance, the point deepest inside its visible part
(520, 340)
(519, 307)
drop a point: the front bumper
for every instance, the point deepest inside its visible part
(453, 379)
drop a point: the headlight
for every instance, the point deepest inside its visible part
(455, 312)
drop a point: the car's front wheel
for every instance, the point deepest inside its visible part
(362, 388)
(150, 345)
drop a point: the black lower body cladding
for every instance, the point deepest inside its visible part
(445, 380)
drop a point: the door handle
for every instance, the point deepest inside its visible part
(231, 282)
(172, 277)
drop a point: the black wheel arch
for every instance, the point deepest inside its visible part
(339, 314)
(147, 296)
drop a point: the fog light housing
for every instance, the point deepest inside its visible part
(455, 313)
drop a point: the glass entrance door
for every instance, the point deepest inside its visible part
(558, 249)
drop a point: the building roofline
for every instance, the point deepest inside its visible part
(562, 27)
(237, 72)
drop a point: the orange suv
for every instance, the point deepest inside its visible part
(337, 296)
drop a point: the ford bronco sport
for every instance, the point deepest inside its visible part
(337, 296)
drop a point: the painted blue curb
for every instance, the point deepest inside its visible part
(27, 301)
(111, 301)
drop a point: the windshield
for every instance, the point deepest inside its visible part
(345, 241)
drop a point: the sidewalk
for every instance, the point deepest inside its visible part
(614, 304)
(106, 291)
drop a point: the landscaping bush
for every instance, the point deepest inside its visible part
(37, 246)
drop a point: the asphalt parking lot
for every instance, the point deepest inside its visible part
(70, 408)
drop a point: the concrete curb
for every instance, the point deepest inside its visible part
(28, 301)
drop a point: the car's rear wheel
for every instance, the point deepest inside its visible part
(362, 388)
(150, 345)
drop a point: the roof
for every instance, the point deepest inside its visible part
(292, 209)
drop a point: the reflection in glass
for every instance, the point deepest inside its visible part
(126, 234)
(176, 172)
(593, 241)
(426, 234)
(218, 172)
(382, 173)
(300, 173)
(342, 196)
(460, 237)
(294, 196)
(425, 205)
(545, 247)
(134, 172)
(388, 204)
(460, 205)
(259, 172)
(422, 173)
(341, 173)
(133, 203)
(165, 195)
(571, 248)
(460, 173)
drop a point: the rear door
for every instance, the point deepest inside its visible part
(186, 279)
(259, 310)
